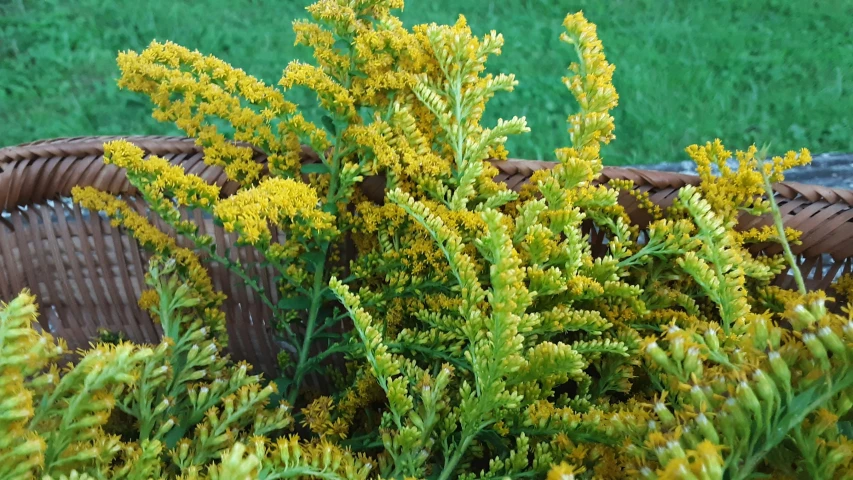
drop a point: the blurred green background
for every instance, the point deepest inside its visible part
(778, 71)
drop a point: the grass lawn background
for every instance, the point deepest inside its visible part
(687, 71)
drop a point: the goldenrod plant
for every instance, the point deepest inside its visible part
(180, 409)
(476, 334)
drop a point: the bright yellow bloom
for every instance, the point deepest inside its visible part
(189, 88)
(564, 471)
(282, 202)
(158, 178)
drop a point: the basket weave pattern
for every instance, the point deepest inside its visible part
(87, 274)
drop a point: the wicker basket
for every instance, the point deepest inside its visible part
(87, 275)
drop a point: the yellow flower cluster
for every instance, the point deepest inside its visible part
(333, 97)
(564, 471)
(591, 83)
(277, 201)
(372, 139)
(318, 417)
(387, 58)
(644, 201)
(159, 177)
(208, 87)
(311, 34)
(729, 191)
(766, 233)
(844, 286)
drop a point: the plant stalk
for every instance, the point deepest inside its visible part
(780, 229)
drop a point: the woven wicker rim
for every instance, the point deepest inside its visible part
(87, 275)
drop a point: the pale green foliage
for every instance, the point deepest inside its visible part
(127, 412)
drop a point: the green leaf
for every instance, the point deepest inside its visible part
(315, 168)
(846, 428)
(299, 302)
(314, 258)
(175, 434)
(329, 124)
(283, 384)
(330, 208)
(341, 44)
(497, 446)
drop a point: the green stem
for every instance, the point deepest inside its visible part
(301, 472)
(808, 453)
(320, 284)
(790, 421)
(316, 302)
(450, 465)
(780, 229)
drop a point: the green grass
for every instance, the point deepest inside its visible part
(757, 71)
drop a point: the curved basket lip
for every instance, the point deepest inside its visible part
(87, 146)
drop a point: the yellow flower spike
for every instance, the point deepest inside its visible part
(156, 177)
(207, 87)
(333, 97)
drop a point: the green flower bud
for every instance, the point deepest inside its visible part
(162, 406)
(727, 426)
(697, 395)
(416, 420)
(688, 438)
(742, 423)
(43, 380)
(666, 417)
(203, 393)
(719, 385)
(761, 332)
(387, 440)
(848, 331)
(765, 387)
(164, 429)
(692, 362)
(652, 426)
(804, 316)
(662, 454)
(818, 308)
(747, 398)
(160, 371)
(707, 429)
(197, 335)
(712, 465)
(660, 357)
(162, 348)
(780, 369)
(192, 353)
(676, 348)
(775, 337)
(831, 341)
(648, 473)
(196, 375)
(183, 450)
(711, 339)
(675, 449)
(816, 348)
